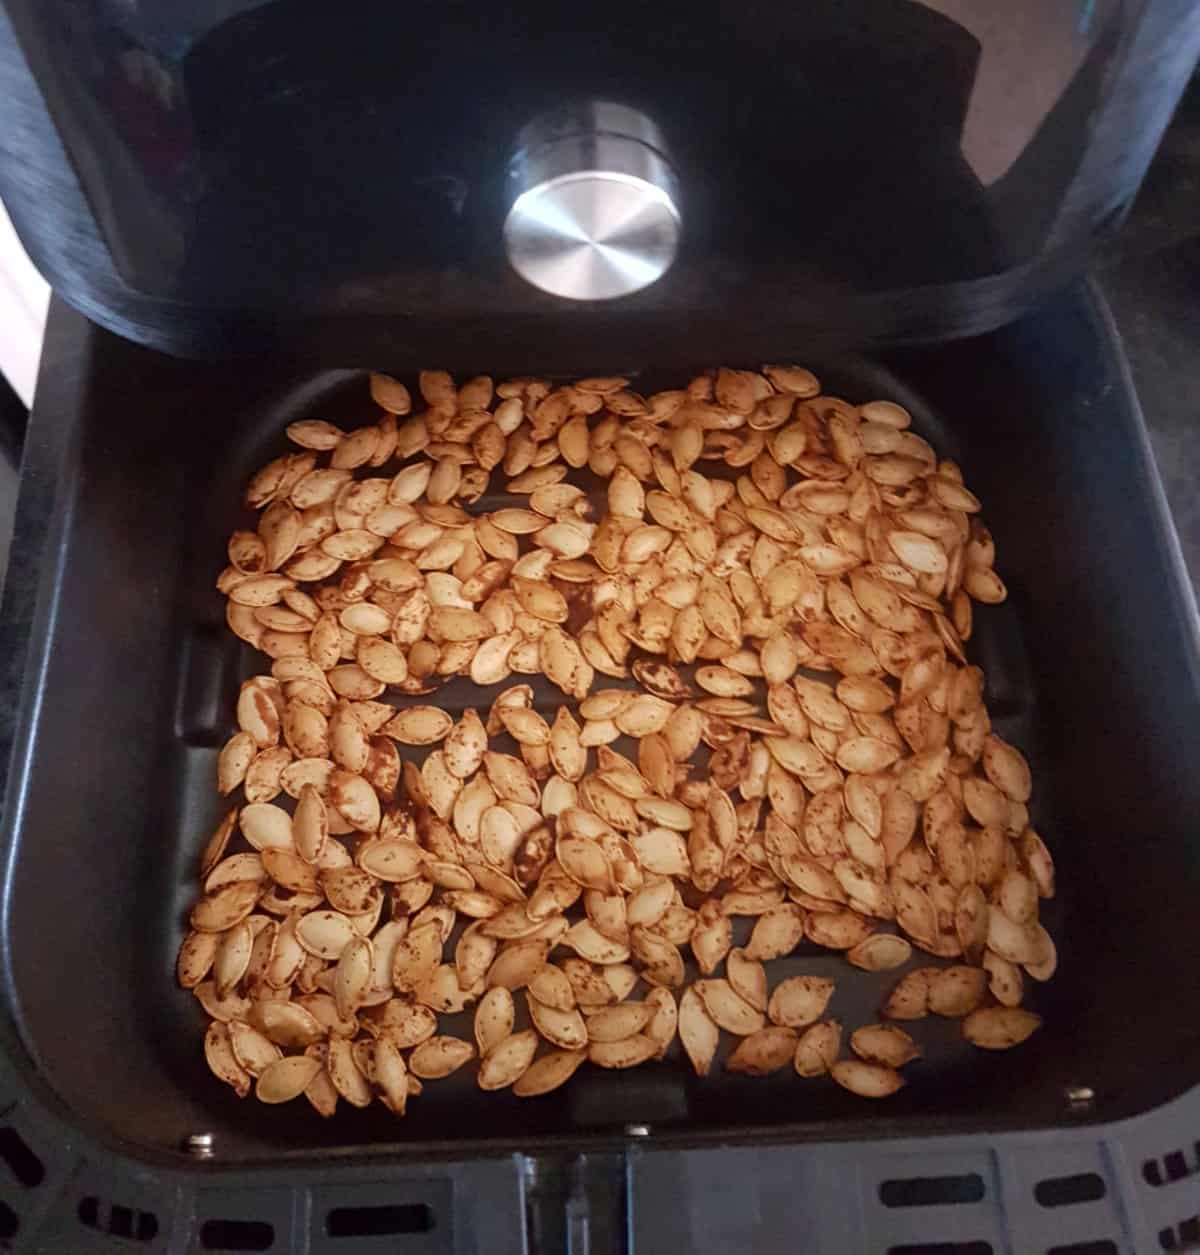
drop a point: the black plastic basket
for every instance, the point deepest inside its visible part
(121, 681)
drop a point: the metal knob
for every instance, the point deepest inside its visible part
(595, 204)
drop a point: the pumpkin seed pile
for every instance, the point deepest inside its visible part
(762, 592)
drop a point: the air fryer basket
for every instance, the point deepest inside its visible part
(213, 663)
(136, 472)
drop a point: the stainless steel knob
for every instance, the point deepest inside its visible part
(594, 203)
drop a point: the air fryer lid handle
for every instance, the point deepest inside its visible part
(595, 203)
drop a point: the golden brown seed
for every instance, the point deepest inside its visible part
(507, 1061)
(817, 1048)
(548, 1073)
(867, 1080)
(1000, 1028)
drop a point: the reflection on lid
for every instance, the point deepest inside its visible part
(1030, 51)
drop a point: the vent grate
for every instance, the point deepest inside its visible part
(1173, 1166)
(943, 1248)
(1101, 1246)
(375, 1222)
(932, 1191)
(1083, 1187)
(237, 1235)
(20, 1158)
(116, 1220)
(1184, 1236)
(10, 1222)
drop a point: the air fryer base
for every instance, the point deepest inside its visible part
(1064, 1144)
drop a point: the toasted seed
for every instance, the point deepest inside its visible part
(419, 725)
(416, 956)
(565, 1029)
(391, 861)
(909, 1000)
(219, 1055)
(506, 1062)
(225, 907)
(884, 1043)
(614, 1024)
(285, 1079)
(234, 761)
(867, 1080)
(493, 1018)
(817, 1048)
(391, 1075)
(999, 1028)
(324, 933)
(247, 866)
(1045, 962)
(266, 826)
(957, 991)
(548, 1073)
(550, 986)
(250, 1048)
(224, 1009)
(777, 932)
(1005, 982)
(345, 1074)
(880, 952)
(799, 1000)
(355, 800)
(727, 1008)
(1012, 941)
(196, 956)
(664, 1019)
(590, 944)
(232, 958)
(1037, 859)
(622, 1054)
(866, 754)
(584, 862)
(763, 1052)
(1018, 897)
(287, 1024)
(697, 1030)
(646, 906)
(748, 978)
(1007, 769)
(439, 1056)
(405, 1024)
(516, 963)
(711, 939)
(320, 1091)
(645, 715)
(662, 852)
(352, 976)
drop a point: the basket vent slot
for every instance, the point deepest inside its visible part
(931, 1191)
(22, 1162)
(1085, 1187)
(1100, 1246)
(1185, 1236)
(1173, 1166)
(118, 1221)
(376, 1222)
(10, 1222)
(237, 1235)
(942, 1248)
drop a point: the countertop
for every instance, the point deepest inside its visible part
(1151, 278)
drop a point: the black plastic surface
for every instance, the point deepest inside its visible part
(1093, 665)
